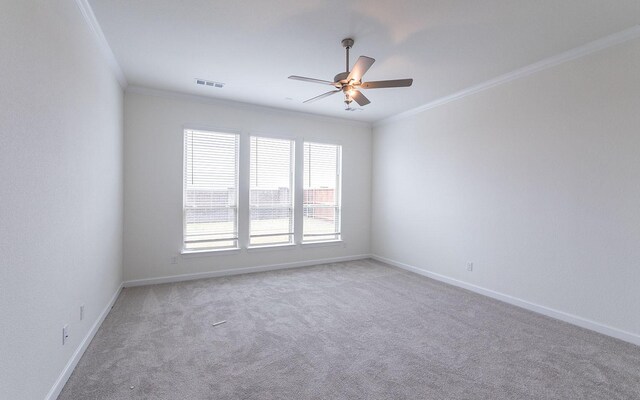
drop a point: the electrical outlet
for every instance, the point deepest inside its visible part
(81, 312)
(470, 266)
(65, 334)
(174, 260)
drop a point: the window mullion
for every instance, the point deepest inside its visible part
(298, 209)
(244, 190)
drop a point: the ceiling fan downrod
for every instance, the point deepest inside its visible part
(347, 44)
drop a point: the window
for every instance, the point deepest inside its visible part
(210, 190)
(271, 191)
(321, 199)
(243, 191)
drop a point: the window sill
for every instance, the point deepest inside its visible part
(323, 243)
(192, 253)
(257, 249)
(269, 247)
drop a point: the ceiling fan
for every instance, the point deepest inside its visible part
(350, 82)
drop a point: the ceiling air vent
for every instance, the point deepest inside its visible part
(204, 82)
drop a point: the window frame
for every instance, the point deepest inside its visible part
(293, 189)
(337, 207)
(184, 249)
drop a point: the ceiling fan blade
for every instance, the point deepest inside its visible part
(387, 84)
(360, 98)
(312, 80)
(360, 68)
(322, 96)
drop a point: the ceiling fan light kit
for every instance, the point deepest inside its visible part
(350, 81)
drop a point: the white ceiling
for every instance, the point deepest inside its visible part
(254, 45)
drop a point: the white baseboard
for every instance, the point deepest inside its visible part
(77, 355)
(549, 312)
(239, 271)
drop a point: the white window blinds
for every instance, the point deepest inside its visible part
(321, 200)
(210, 190)
(271, 191)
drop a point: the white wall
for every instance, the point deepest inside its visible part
(153, 181)
(536, 181)
(60, 190)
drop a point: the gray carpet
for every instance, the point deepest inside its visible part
(356, 330)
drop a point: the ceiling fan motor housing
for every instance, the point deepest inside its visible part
(342, 76)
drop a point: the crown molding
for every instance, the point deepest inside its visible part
(168, 94)
(105, 49)
(575, 53)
